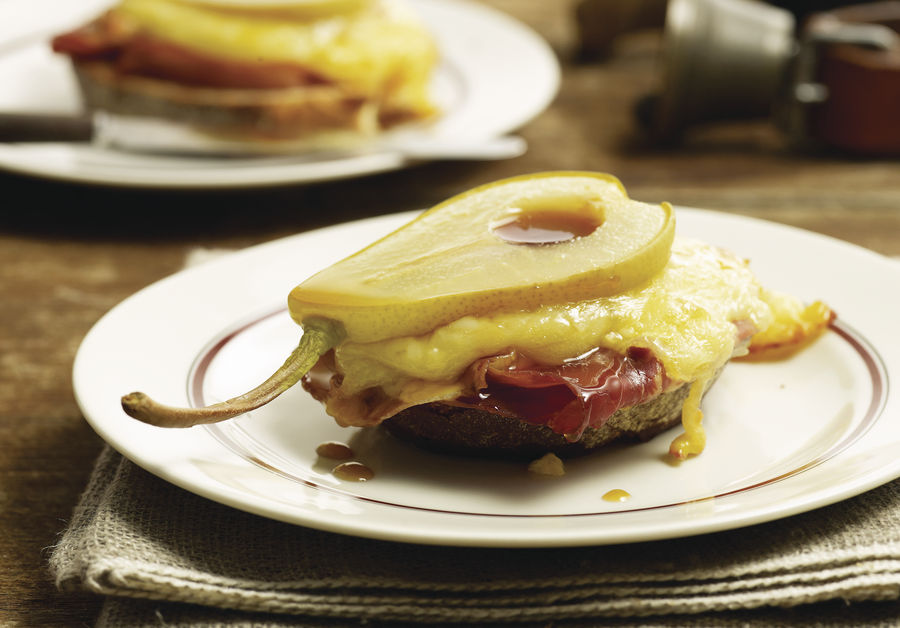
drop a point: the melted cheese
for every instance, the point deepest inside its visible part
(686, 315)
(795, 326)
(693, 440)
(376, 50)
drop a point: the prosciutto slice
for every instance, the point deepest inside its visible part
(568, 398)
(118, 42)
(582, 392)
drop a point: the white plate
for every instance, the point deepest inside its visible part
(495, 75)
(784, 437)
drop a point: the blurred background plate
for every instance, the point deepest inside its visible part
(496, 75)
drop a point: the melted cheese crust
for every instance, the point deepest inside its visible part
(685, 315)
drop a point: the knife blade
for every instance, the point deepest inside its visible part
(148, 135)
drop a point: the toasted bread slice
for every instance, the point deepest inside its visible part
(284, 113)
(471, 432)
(452, 429)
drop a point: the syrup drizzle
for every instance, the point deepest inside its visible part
(545, 227)
(617, 495)
(334, 450)
(353, 472)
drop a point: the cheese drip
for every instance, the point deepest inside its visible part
(693, 440)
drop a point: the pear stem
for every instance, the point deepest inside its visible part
(319, 336)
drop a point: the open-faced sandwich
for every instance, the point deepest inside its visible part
(270, 70)
(543, 313)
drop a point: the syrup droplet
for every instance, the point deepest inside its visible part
(617, 495)
(545, 226)
(353, 472)
(334, 450)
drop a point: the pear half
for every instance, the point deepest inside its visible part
(510, 245)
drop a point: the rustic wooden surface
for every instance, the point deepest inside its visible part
(68, 253)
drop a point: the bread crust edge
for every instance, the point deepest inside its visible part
(286, 113)
(471, 432)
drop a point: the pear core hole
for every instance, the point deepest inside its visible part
(546, 226)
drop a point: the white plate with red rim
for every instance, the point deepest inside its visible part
(783, 437)
(495, 75)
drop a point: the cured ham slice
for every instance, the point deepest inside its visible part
(132, 52)
(568, 398)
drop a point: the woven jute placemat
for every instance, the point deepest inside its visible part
(166, 557)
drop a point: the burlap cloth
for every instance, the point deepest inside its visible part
(203, 564)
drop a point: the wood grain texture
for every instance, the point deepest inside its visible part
(68, 253)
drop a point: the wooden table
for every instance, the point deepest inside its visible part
(68, 253)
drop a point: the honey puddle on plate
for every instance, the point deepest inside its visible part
(617, 495)
(348, 471)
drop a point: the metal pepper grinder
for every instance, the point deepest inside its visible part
(835, 81)
(722, 60)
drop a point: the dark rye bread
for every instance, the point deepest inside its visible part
(467, 431)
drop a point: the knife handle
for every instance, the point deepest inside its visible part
(25, 127)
